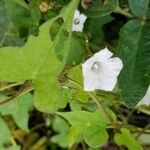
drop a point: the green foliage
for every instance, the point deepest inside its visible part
(18, 24)
(94, 27)
(62, 128)
(90, 124)
(125, 138)
(65, 136)
(19, 109)
(5, 137)
(43, 102)
(133, 49)
(25, 17)
(76, 51)
(32, 61)
(5, 133)
(3, 22)
(140, 8)
(101, 8)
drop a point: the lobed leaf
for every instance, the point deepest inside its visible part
(90, 124)
(19, 109)
(41, 59)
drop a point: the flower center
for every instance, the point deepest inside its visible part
(76, 20)
(96, 66)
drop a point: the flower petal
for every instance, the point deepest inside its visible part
(104, 77)
(88, 63)
(82, 18)
(106, 83)
(90, 81)
(103, 55)
(113, 66)
(80, 25)
(76, 14)
(77, 27)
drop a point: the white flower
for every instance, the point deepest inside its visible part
(78, 21)
(101, 71)
(146, 99)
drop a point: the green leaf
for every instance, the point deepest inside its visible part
(133, 49)
(62, 128)
(22, 3)
(12, 147)
(90, 125)
(125, 138)
(90, 148)
(19, 109)
(18, 24)
(75, 73)
(141, 8)
(41, 60)
(3, 22)
(5, 133)
(82, 96)
(76, 51)
(101, 8)
(73, 136)
(94, 27)
(25, 17)
(11, 37)
(5, 137)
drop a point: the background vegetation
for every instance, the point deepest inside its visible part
(43, 104)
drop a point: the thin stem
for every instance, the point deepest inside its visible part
(87, 45)
(123, 12)
(75, 82)
(102, 109)
(40, 144)
(96, 101)
(142, 131)
(2, 88)
(134, 129)
(22, 90)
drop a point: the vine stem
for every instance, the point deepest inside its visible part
(22, 90)
(87, 45)
(123, 12)
(97, 103)
(2, 88)
(143, 130)
(102, 109)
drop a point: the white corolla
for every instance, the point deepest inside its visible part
(101, 71)
(78, 21)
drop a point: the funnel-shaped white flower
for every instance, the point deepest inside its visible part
(100, 71)
(146, 99)
(78, 21)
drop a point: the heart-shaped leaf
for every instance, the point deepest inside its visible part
(134, 51)
(90, 124)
